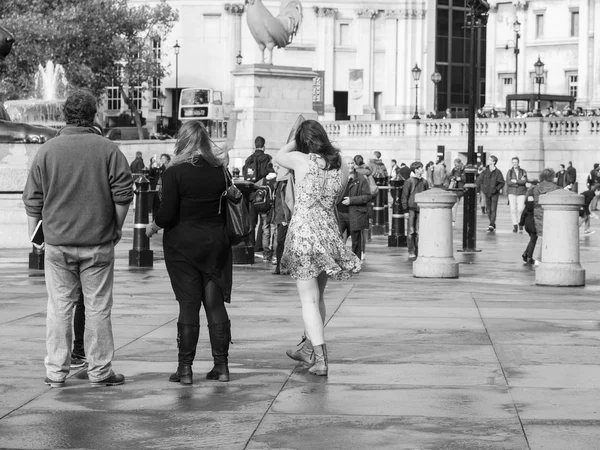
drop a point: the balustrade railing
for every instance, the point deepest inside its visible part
(552, 126)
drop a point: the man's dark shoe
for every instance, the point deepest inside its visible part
(114, 380)
(54, 384)
(520, 227)
(515, 228)
(491, 228)
(525, 257)
(276, 272)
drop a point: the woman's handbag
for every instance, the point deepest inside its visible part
(236, 214)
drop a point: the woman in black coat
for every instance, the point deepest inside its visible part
(197, 248)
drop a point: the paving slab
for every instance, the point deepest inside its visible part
(486, 361)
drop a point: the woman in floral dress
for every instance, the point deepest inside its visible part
(314, 250)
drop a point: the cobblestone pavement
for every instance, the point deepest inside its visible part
(487, 361)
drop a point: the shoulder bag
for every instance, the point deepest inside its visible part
(236, 212)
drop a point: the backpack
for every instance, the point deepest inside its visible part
(379, 171)
(251, 164)
(372, 186)
(262, 201)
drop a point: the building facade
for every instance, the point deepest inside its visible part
(383, 41)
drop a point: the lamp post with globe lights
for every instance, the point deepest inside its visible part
(436, 77)
(416, 74)
(161, 102)
(176, 48)
(539, 79)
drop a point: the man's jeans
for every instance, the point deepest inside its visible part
(268, 235)
(413, 232)
(517, 205)
(67, 270)
(492, 207)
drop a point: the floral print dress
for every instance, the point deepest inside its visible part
(313, 244)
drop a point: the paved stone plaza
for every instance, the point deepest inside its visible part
(488, 361)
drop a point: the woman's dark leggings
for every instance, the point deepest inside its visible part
(214, 307)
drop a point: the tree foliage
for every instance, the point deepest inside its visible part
(98, 42)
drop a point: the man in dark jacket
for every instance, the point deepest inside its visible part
(491, 182)
(571, 178)
(352, 210)
(81, 184)
(258, 164)
(584, 212)
(137, 165)
(561, 177)
(415, 184)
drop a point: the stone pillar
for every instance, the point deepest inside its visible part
(234, 45)
(560, 244)
(364, 59)
(390, 108)
(595, 95)
(404, 78)
(325, 54)
(583, 96)
(491, 76)
(435, 259)
(268, 100)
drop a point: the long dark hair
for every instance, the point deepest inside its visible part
(192, 142)
(311, 137)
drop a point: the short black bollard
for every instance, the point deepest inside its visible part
(141, 255)
(379, 214)
(243, 253)
(36, 259)
(397, 237)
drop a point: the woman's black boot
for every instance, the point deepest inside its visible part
(220, 337)
(187, 340)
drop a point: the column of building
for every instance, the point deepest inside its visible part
(491, 76)
(234, 46)
(595, 82)
(418, 20)
(390, 94)
(524, 68)
(325, 54)
(583, 66)
(404, 65)
(364, 59)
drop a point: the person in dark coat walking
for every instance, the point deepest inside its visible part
(545, 185)
(491, 182)
(415, 184)
(137, 165)
(352, 211)
(571, 178)
(527, 221)
(197, 248)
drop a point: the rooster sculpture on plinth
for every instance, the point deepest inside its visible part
(270, 32)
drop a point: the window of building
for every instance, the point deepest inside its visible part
(574, 23)
(343, 35)
(113, 98)
(507, 81)
(539, 25)
(137, 96)
(156, 48)
(572, 84)
(452, 57)
(156, 91)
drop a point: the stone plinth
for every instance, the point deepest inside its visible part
(560, 244)
(435, 259)
(268, 100)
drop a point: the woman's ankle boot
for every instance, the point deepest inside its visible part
(220, 337)
(304, 354)
(187, 341)
(320, 367)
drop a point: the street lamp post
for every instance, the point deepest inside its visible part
(539, 79)
(436, 77)
(176, 48)
(416, 74)
(476, 18)
(161, 102)
(239, 58)
(517, 28)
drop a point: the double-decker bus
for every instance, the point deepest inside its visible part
(205, 105)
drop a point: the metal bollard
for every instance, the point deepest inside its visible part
(379, 215)
(36, 259)
(141, 255)
(397, 237)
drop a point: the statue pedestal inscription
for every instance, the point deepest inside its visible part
(268, 100)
